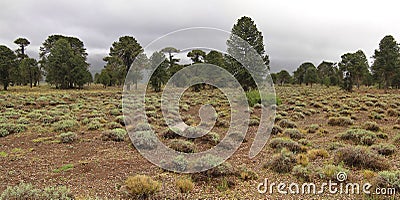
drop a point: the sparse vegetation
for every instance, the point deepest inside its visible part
(142, 186)
(361, 157)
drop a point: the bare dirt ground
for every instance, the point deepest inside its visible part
(91, 167)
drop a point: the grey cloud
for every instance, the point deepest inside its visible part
(294, 31)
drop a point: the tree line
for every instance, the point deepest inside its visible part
(63, 63)
(352, 70)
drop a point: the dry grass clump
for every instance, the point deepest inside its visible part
(317, 153)
(285, 123)
(184, 185)
(141, 186)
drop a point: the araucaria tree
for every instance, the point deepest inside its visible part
(245, 30)
(124, 52)
(354, 67)
(22, 43)
(386, 61)
(7, 63)
(64, 61)
(299, 74)
(160, 76)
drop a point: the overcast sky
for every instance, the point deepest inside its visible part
(294, 31)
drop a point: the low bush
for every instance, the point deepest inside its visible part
(66, 125)
(142, 186)
(253, 98)
(283, 162)
(182, 145)
(388, 179)
(340, 121)
(317, 153)
(371, 126)
(361, 157)
(172, 133)
(279, 143)
(313, 128)
(330, 171)
(285, 123)
(184, 185)
(384, 149)
(359, 136)
(293, 133)
(302, 172)
(27, 191)
(302, 159)
(68, 137)
(117, 135)
(247, 174)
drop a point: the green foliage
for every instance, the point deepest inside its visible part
(293, 133)
(253, 98)
(386, 64)
(160, 74)
(283, 77)
(355, 67)
(66, 125)
(300, 74)
(64, 168)
(120, 59)
(142, 186)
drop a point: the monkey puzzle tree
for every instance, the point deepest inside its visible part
(246, 31)
(126, 49)
(7, 62)
(386, 61)
(354, 66)
(22, 43)
(160, 76)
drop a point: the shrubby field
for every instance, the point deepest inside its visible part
(73, 144)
